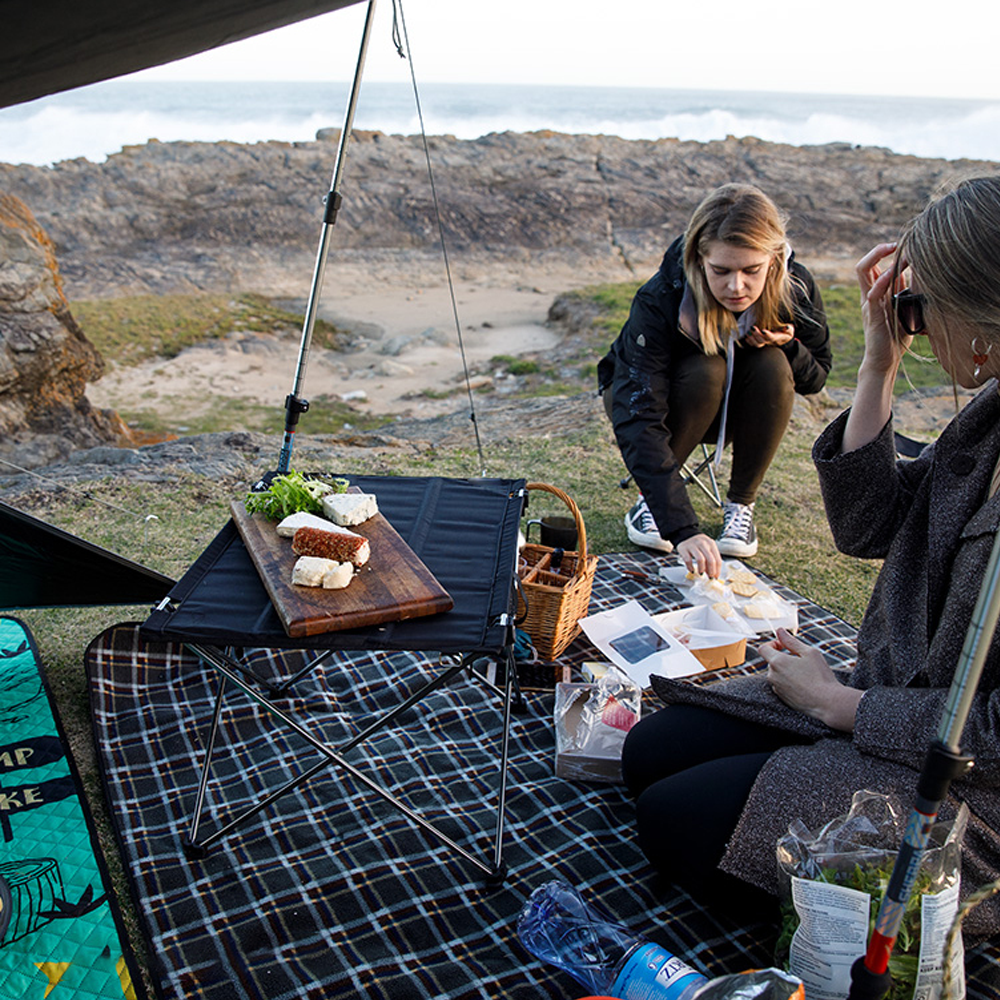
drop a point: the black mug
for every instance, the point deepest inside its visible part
(555, 532)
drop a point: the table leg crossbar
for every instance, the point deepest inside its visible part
(231, 672)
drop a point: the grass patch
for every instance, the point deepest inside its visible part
(515, 366)
(615, 301)
(796, 545)
(136, 328)
(326, 415)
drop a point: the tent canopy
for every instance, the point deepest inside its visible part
(62, 44)
(56, 46)
(42, 566)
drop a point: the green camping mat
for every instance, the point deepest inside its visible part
(61, 934)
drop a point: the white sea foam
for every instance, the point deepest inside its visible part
(97, 121)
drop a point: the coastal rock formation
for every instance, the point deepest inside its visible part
(45, 359)
(192, 216)
(184, 216)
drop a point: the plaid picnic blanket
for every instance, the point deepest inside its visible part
(332, 893)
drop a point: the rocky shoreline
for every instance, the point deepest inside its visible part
(198, 216)
(525, 217)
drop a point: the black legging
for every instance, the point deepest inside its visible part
(692, 770)
(760, 406)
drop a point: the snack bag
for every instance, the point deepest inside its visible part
(591, 723)
(832, 884)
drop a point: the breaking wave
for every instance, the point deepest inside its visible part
(96, 121)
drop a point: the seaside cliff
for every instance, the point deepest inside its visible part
(196, 216)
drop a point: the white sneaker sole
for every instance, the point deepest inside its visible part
(731, 547)
(647, 541)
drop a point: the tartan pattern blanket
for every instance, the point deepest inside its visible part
(332, 893)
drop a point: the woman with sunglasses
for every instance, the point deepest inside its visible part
(744, 758)
(716, 345)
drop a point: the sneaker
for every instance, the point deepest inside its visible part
(739, 537)
(642, 528)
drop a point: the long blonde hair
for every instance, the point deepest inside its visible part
(953, 245)
(741, 215)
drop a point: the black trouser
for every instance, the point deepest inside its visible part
(692, 770)
(760, 406)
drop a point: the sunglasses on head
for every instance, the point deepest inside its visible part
(909, 308)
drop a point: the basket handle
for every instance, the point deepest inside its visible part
(581, 531)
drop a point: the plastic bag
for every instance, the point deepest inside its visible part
(832, 883)
(591, 722)
(756, 984)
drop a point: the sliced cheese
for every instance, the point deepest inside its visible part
(349, 508)
(309, 571)
(338, 577)
(303, 519)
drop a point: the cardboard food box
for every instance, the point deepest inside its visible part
(710, 638)
(591, 722)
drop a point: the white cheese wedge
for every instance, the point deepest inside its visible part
(309, 571)
(303, 519)
(338, 577)
(349, 508)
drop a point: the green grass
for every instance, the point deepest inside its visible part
(165, 526)
(131, 329)
(326, 416)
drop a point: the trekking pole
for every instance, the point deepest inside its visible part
(943, 764)
(295, 405)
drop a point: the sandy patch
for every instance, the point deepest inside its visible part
(405, 342)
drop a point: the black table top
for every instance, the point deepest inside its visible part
(464, 530)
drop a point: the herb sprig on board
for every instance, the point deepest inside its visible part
(291, 492)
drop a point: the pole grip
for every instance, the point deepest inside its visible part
(868, 985)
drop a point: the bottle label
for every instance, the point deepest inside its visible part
(652, 973)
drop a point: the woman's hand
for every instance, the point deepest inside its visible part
(700, 555)
(884, 348)
(800, 676)
(763, 338)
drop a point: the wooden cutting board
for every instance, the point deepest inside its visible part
(394, 584)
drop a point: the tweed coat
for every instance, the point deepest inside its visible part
(933, 523)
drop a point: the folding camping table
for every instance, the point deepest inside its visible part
(464, 531)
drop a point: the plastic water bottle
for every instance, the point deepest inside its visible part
(557, 926)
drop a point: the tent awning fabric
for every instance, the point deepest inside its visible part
(60, 44)
(42, 566)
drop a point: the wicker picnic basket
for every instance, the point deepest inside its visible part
(555, 599)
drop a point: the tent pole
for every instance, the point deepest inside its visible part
(944, 763)
(295, 405)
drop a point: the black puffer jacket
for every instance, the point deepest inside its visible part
(636, 370)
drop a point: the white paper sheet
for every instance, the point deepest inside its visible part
(631, 638)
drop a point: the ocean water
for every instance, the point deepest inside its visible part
(95, 121)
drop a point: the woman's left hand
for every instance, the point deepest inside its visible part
(800, 676)
(776, 337)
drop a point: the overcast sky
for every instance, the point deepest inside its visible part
(843, 46)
